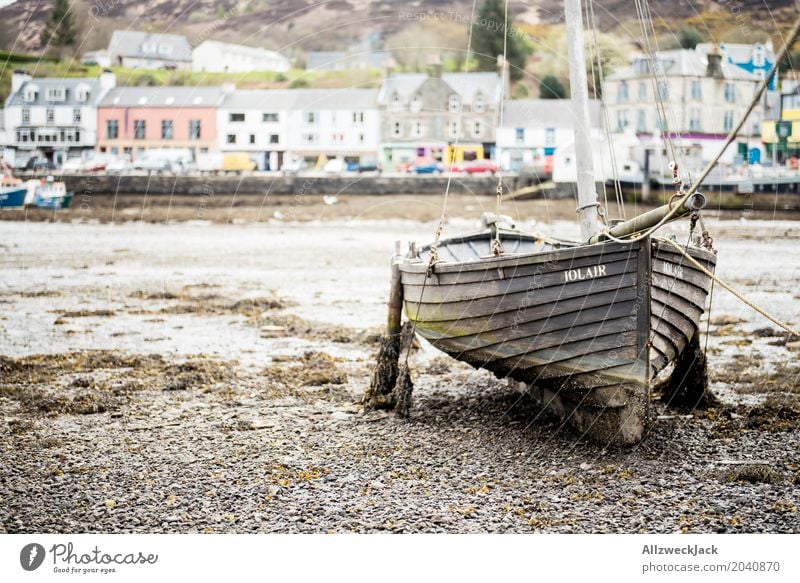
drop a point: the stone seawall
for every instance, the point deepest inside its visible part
(285, 185)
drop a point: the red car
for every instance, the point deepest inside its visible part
(476, 167)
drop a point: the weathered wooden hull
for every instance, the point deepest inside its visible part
(592, 323)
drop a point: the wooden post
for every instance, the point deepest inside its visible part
(395, 298)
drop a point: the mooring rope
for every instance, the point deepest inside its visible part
(728, 287)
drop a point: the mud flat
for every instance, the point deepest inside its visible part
(186, 375)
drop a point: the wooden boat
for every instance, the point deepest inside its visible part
(589, 325)
(51, 194)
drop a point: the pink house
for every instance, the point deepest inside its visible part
(131, 120)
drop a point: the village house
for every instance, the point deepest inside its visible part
(533, 129)
(755, 58)
(218, 57)
(703, 97)
(146, 50)
(443, 116)
(132, 120)
(53, 118)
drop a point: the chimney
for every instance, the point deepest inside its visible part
(714, 63)
(18, 78)
(108, 80)
(435, 67)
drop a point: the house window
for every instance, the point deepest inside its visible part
(397, 129)
(730, 93)
(166, 129)
(477, 129)
(311, 117)
(418, 129)
(235, 117)
(479, 104)
(55, 94)
(361, 138)
(453, 129)
(519, 135)
(642, 90)
(641, 121)
(416, 103)
(755, 124)
(697, 93)
(274, 139)
(622, 120)
(112, 129)
(550, 137)
(622, 92)
(51, 115)
(358, 117)
(76, 115)
(194, 129)
(395, 102)
(139, 129)
(663, 90)
(231, 138)
(309, 138)
(694, 120)
(252, 138)
(453, 104)
(728, 123)
(26, 116)
(269, 117)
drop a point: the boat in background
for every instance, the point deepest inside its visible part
(52, 195)
(12, 191)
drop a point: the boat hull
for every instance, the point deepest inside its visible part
(13, 197)
(592, 325)
(54, 202)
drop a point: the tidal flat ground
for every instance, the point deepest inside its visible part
(177, 364)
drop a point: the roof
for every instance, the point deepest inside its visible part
(467, 85)
(148, 45)
(681, 63)
(255, 52)
(738, 53)
(551, 113)
(163, 97)
(69, 84)
(345, 99)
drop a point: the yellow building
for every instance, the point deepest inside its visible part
(772, 131)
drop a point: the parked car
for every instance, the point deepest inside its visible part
(368, 165)
(72, 166)
(335, 166)
(293, 165)
(39, 164)
(427, 167)
(476, 167)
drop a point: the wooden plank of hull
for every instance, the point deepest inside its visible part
(683, 324)
(678, 303)
(434, 292)
(524, 323)
(521, 269)
(680, 288)
(485, 307)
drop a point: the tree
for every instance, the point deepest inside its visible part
(689, 37)
(551, 88)
(59, 30)
(520, 91)
(487, 40)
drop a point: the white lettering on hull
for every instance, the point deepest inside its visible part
(673, 270)
(585, 273)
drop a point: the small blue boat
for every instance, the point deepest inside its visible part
(12, 196)
(52, 195)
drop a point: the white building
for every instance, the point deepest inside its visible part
(313, 124)
(54, 117)
(704, 96)
(534, 129)
(145, 50)
(217, 57)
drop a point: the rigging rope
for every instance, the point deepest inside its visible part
(434, 255)
(497, 246)
(727, 286)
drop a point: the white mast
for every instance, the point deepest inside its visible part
(584, 164)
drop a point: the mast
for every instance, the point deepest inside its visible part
(584, 164)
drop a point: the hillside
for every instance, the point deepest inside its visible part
(294, 26)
